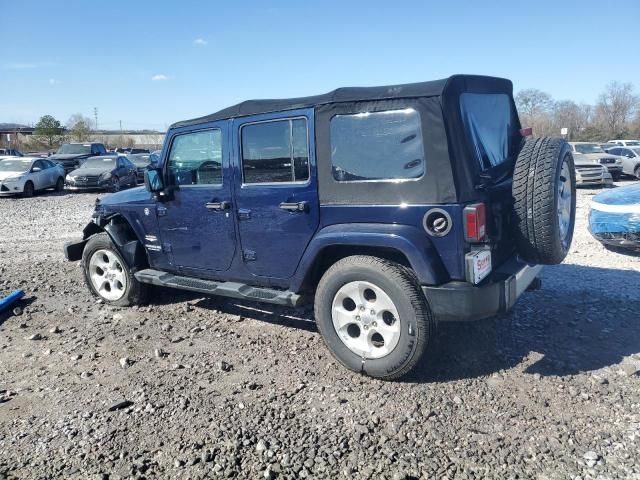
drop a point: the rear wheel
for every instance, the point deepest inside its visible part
(60, 184)
(28, 190)
(373, 316)
(636, 172)
(108, 276)
(544, 192)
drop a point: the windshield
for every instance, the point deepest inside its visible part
(74, 149)
(100, 162)
(15, 165)
(633, 144)
(588, 148)
(140, 160)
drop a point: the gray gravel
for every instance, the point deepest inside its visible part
(550, 391)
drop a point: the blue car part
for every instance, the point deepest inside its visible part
(10, 299)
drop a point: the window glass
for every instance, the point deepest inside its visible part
(377, 146)
(39, 164)
(275, 152)
(491, 127)
(196, 158)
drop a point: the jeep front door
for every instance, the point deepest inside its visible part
(197, 227)
(276, 194)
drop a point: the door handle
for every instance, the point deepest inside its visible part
(295, 206)
(218, 205)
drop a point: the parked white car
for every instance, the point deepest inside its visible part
(630, 159)
(626, 143)
(27, 175)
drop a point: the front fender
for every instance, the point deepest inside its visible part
(412, 242)
(121, 234)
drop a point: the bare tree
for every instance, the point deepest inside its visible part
(79, 127)
(531, 102)
(617, 106)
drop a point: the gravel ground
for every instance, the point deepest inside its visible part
(196, 387)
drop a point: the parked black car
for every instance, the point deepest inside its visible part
(70, 155)
(128, 150)
(107, 172)
(142, 161)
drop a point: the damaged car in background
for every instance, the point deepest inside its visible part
(614, 218)
(387, 208)
(108, 172)
(28, 175)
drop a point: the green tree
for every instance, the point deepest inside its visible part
(49, 130)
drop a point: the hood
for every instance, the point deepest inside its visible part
(594, 157)
(629, 195)
(588, 159)
(68, 156)
(4, 175)
(79, 172)
(131, 195)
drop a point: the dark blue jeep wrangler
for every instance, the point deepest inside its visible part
(390, 208)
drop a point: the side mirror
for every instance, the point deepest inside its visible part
(36, 169)
(153, 180)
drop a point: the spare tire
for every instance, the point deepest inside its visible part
(544, 194)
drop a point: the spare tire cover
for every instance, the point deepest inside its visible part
(544, 194)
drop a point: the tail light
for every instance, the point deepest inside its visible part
(475, 222)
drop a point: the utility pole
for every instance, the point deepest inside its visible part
(95, 115)
(120, 127)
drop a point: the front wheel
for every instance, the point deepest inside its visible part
(59, 184)
(373, 316)
(28, 190)
(636, 172)
(108, 276)
(115, 184)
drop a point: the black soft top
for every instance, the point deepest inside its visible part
(435, 88)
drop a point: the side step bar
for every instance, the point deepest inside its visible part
(225, 289)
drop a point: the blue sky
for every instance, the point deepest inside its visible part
(150, 64)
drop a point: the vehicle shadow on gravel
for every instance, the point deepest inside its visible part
(583, 319)
(301, 318)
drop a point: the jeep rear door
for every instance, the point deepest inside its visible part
(196, 223)
(276, 190)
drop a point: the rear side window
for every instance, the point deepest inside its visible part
(275, 152)
(377, 146)
(490, 126)
(196, 158)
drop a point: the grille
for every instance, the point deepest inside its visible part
(607, 160)
(87, 180)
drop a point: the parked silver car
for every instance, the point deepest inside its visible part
(26, 175)
(590, 153)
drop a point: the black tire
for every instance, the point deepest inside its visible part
(636, 172)
(59, 184)
(401, 285)
(115, 185)
(135, 292)
(28, 190)
(536, 180)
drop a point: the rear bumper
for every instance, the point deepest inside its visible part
(461, 301)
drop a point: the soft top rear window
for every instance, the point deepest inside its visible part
(491, 127)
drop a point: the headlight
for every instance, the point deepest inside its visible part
(14, 179)
(69, 178)
(105, 176)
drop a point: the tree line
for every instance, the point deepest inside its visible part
(616, 114)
